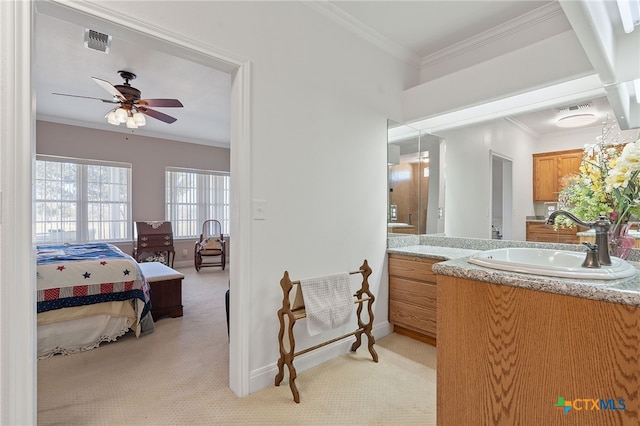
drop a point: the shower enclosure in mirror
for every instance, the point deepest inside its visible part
(415, 181)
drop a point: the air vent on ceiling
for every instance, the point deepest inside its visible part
(97, 41)
(574, 108)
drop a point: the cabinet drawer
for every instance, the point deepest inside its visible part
(412, 292)
(155, 240)
(412, 268)
(413, 317)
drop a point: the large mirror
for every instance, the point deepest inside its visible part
(489, 171)
(415, 181)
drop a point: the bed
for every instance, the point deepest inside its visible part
(88, 294)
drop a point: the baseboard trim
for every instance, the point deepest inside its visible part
(265, 376)
(187, 263)
(183, 263)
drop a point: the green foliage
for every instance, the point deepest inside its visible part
(608, 183)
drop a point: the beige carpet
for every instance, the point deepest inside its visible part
(179, 376)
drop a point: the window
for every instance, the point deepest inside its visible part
(79, 201)
(194, 196)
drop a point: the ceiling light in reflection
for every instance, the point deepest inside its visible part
(576, 120)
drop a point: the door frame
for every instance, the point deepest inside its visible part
(506, 193)
(18, 370)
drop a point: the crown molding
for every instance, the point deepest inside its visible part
(365, 32)
(520, 125)
(508, 29)
(130, 132)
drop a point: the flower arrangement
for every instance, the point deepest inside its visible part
(608, 183)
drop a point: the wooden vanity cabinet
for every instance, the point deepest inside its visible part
(412, 297)
(506, 355)
(548, 170)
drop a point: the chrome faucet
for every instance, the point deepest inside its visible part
(601, 226)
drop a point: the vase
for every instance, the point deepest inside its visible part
(620, 242)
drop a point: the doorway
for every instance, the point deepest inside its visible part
(501, 197)
(240, 166)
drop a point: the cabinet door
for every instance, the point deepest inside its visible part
(568, 164)
(545, 178)
(549, 169)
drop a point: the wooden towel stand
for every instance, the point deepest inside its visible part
(289, 316)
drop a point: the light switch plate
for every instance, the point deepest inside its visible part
(259, 209)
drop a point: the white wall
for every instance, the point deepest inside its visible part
(577, 138)
(468, 177)
(319, 105)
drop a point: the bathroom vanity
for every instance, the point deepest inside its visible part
(412, 289)
(519, 349)
(526, 349)
(412, 297)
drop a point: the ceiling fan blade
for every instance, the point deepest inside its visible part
(167, 103)
(109, 88)
(157, 114)
(108, 101)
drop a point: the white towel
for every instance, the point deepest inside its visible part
(328, 302)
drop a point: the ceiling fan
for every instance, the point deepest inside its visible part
(131, 109)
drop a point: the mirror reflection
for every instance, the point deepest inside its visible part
(495, 170)
(415, 183)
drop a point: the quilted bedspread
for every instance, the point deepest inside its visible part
(84, 274)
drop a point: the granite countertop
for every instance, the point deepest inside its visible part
(625, 291)
(433, 252)
(454, 263)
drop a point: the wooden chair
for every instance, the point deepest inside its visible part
(210, 245)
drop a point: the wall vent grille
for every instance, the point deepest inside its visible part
(97, 41)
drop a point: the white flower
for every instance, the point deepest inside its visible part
(623, 168)
(630, 157)
(617, 177)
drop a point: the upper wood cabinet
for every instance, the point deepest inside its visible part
(548, 170)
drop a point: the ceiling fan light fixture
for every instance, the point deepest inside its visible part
(131, 123)
(111, 118)
(576, 120)
(121, 115)
(139, 119)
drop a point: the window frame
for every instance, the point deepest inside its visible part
(83, 202)
(204, 206)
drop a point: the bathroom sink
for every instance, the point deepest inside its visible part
(548, 262)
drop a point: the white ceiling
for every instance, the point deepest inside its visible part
(64, 65)
(422, 28)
